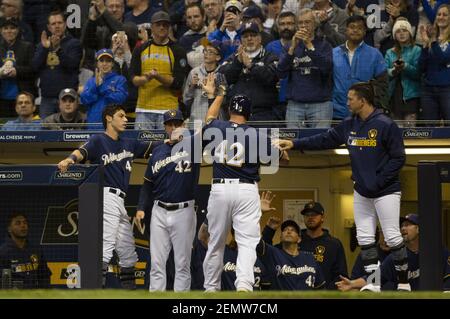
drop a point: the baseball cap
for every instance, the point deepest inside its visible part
(160, 16)
(291, 223)
(9, 21)
(104, 52)
(68, 92)
(250, 27)
(314, 207)
(412, 218)
(253, 11)
(173, 115)
(233, 3)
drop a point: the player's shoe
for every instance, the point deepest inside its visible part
(243, 290)
(371, 287)
(404, 287)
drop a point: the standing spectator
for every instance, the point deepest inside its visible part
(177, 13)
(308, 66)
(158, 69)
(404, 73)
(68, 117)
(384, 37)
(254, 14)
(14, 9)
(57, 60)
(273, 10)
(434, 62)
(214, 14)
(332, 21)
(105, 19)
(431, 10)
(252, 71)
(377, 154)
(24, 257)
(228, 36)
(141, 12)
(355, 61)
(16, 73)
(25, 109)
(106, 87)
(193, 96)
(409, 226)
(286, 26)
(191, 40)
(35, 13)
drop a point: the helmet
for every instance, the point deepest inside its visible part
(240, 104)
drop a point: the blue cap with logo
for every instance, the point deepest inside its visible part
(250, 27)
(412, 218)
(173, 115)
(104, 52)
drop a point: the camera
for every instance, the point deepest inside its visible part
(399, 62)
(233, 10)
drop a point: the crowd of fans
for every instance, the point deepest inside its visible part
(295, 59)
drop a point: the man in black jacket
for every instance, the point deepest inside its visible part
(252, 71)
(16, 73)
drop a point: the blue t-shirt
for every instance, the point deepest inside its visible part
(174, 171)
(117, 157)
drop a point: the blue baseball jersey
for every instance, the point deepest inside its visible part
(241, 151)
(229, 270)
(389, 279)
(116, 156)
(288, 272)
(376, 148)
(174, 171)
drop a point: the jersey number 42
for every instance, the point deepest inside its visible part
(183, 167)
(222, 150)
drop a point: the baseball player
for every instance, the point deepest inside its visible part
(377, 154)
(171, 177)
(290, 268)
(116, 154)
(234, 197)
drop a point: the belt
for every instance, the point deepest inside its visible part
(172, 206)
(118, 192)
(232, 181)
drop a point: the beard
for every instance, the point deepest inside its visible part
(287, 34)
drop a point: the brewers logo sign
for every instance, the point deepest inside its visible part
(373, 134)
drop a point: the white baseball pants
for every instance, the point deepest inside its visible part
(234, 204)
(366, 210)
(171, 228)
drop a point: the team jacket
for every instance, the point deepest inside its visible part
(27, 265)
(376, 148)
(58, 70)
(435, 64)
(309, 72)
(389, 279)
(113, 90)
(327, 250)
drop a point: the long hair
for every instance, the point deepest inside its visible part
(447, 36)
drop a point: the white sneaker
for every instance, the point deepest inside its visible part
(404, 287)
(243, 290)
(371, 287)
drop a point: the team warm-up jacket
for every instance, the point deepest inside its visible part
(376, 148)
(27, 265)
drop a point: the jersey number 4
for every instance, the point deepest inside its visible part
(221, 151)
(183, 167)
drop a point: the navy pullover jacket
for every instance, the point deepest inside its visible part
(376, 148)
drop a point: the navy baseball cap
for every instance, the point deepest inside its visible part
(412, 218)
(253, 11)
(313, 207)
(250, 27)
(159, 16)
(291, 223)
(104, 52)
(173, 115)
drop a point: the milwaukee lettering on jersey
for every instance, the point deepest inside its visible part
(229, 266)
(288, 270)
(108, 159)
(174, 158)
